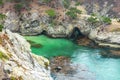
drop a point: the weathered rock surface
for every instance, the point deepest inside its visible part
(33, 23)
(19, 62)
(62, 69)
(12, 21)
(36, 21)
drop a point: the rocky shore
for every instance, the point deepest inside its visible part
(63, 69)
(17, 62)
(106, 36)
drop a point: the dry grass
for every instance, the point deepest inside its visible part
(115, 26)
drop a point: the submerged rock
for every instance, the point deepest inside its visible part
(60, 64)
(111, 53)
(62, 69)
(34, 44)
(19, 62)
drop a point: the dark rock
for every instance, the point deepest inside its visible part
(6, 79)
(34, 23)
(110, 53)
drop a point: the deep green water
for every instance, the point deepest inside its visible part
(102, 68)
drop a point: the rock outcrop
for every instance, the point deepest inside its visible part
(17, 61)
(36, 21)
(33, 24)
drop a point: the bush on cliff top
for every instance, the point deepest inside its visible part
(66, 3)
(101, 19)
(72, 13)
(1, 26)
(77, 3)
(106, 20)
(3, 56)
(51, 13)
(46, 1)
(92, 20)
(1, 2)
(2, 16)
(18, 7)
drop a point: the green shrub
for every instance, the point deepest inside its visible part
(51, 13)
(1, 26)
(66, 3)
(93, 14)
(77, 3)
(46, 1)
(92, 20)
(106, 20)
(73, 12)
(18, 7)
(17, 1)
(22, 4)
(3, 56)
(2, 16)
(1, 2)
(12, 78)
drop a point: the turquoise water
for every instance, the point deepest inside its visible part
(102, 68)
(52, 47)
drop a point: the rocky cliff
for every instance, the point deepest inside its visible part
(36, 21)
(17, 62)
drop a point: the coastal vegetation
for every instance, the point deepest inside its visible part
(18, 7)
(1, 26)
(52, 15)
(96, 20)
(3, 56)
(1, 2)
(2, 17)
(72, 13)
(66, 3)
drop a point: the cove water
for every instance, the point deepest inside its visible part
(102, 68)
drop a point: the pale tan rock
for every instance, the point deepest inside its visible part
(20, 62)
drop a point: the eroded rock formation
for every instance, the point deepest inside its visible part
(17, 61)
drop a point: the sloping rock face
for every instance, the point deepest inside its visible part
(36, 25)
(114, 11)
(17, 61)
(12, 22)
(33, 23)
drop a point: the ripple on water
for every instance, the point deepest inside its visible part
(103, 68)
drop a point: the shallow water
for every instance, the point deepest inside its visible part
(98, 68)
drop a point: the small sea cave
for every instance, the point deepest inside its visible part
(76, 33)
(80, 39)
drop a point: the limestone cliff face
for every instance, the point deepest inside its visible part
(35, 22)
(34, 25)
(17, 61)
